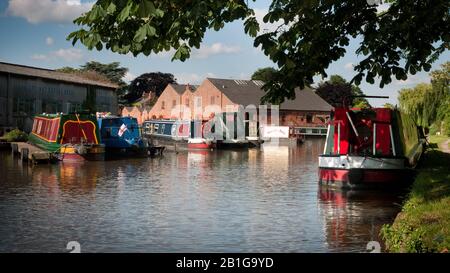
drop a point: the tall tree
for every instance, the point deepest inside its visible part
(154, 82)
(113, 71)
(412, 102)
(337, 89)
(309, 37)
(265, 74)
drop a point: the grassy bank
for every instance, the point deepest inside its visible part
(423, 225)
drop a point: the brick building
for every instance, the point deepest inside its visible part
(306, 110)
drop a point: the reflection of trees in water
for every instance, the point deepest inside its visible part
(352, 217)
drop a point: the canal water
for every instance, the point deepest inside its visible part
(260, 200)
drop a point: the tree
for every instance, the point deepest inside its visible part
(113, 71)
(265, 74)
(337, 89)
(389, 105)
(309, 37)
(154, 82)
(93, 70)
(429, 104)
(412, 102)
(87, 74)
(438, 102)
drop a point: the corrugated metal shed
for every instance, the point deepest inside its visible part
(51, 74)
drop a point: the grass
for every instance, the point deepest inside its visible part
(423, 225)
(438, 139)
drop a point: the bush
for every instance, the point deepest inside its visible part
(16, 136)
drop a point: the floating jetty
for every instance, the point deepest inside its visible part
(31, 153)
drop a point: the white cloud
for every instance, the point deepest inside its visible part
(267, 27)
(39, 57)
(349, 66)
(49, 41)
(411, 80)
(215, 49)
(129, 77)
(61, 11)
(68, 55)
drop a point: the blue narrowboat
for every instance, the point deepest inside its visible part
(177, 134)
(122, 136)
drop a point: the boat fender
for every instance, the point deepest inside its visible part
(81, 149)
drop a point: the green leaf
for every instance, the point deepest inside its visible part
(146, 9)
(111, 8)
(125, 13)
(159, 13)
(141, 33)
(251, 26)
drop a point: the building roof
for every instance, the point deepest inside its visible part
(246, 92)
(51, 74)
(180, 88)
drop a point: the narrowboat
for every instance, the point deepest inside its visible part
(73, 137)
(177, 134)
(121, 136)
(370, 147)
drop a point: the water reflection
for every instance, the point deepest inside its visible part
(352, 217)
(260, 200)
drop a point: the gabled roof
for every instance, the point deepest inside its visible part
(245, 92)
(51, 74)
(180, 88)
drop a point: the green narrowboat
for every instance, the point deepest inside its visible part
(73, 137)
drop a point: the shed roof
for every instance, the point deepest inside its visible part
(51, 74)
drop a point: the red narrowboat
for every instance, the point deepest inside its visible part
(370, 147)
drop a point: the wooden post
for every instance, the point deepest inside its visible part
(24, 154)
(14, 148)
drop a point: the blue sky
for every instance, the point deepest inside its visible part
(34, 33)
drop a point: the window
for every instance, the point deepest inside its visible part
(187, 102)
(309, 118)
(174, 103)
(163, 105)
(39, 127)
(213, 100)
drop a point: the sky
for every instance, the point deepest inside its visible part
(34, 33)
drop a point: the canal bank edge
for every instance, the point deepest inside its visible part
(423, 225)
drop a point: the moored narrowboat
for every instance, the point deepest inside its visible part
(370, 147)
(121, 136)
(73, 137)
(177, 134)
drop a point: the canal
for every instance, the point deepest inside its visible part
(260, 200)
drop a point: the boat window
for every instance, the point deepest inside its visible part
(34, 125)
(39, 127)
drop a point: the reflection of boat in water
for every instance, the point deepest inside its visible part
(370, 147)
(177, 134)
(121, 136)
(73, 137)
(353, 218)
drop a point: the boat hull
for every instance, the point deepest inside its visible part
(91, 153)
(365, 178)
(364, 171)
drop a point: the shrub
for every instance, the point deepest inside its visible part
(16, 136)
